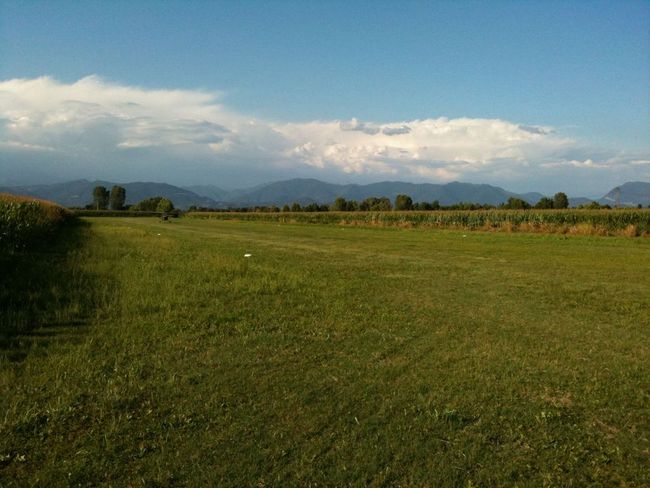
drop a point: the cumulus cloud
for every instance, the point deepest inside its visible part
(95, 128)
(355, 125)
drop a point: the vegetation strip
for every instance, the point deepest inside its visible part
(622, 222)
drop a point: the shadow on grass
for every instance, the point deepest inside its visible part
(45, 295)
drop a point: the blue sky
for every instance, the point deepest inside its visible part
(580, 70)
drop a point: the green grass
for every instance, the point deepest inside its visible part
(332, 356)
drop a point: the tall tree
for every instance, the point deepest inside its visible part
(560, 200)
(118, 198)
(403, 202)
(340, 205)
(100, 198)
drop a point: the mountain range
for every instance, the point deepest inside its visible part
(78, 193)
(630, 194)
(305, 191)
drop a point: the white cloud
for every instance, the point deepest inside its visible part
(104, 129)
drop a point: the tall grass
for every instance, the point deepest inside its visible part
(627, 222)
(25, 220)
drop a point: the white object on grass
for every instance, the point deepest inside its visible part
(247, 255)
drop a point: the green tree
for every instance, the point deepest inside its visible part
(375, 204)
(147, 205)
(295, 207)
(514, 203)
(165, 205)
(100, 198)
(340, 205)
(352, 206)
(403, 202)
(365, 205)
(560, 200)
(285, 208)
(544, 202)
(382, 204)
(117, 198)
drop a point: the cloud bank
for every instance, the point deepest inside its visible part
(97, 129)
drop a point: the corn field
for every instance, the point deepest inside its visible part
(628, 222)
(23, 221)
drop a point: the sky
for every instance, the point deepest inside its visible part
(531, 96)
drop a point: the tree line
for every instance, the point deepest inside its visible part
(116, 200)
(401, 203)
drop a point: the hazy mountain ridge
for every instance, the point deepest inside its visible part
(308, 190)
(210, 191)
(78, 193)
(629, 194)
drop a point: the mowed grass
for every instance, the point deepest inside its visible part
(331, 356)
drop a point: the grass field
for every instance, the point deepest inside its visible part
(155, 354)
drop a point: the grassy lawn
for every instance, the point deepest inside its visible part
(331, 356)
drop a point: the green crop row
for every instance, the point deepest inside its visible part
(605, 222)
(24, 221)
